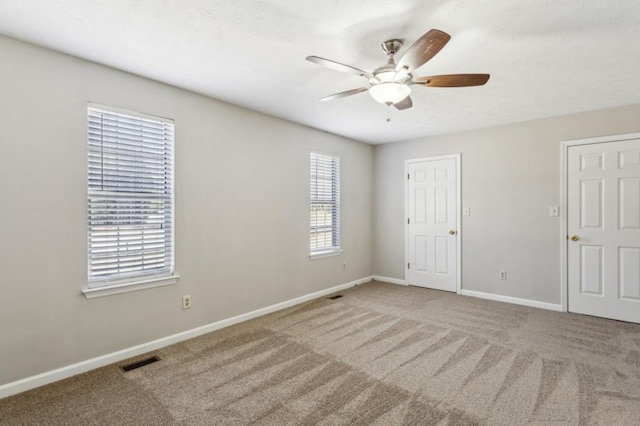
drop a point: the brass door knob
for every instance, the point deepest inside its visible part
(574, 238)
(452, 232)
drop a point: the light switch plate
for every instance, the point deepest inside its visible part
(466, 211)
(554, 211)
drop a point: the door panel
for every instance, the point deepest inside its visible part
(421, 253)
(592, 270)
(629, 203)
(629, 158)
(440, 204)
(442, 255)
(591, 162)
(591, 206)
(420, 211)
(432, 210)
(630, 273)
(603, 212)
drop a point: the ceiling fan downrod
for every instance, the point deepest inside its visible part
(391, 47)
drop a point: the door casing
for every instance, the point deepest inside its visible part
(458, 159)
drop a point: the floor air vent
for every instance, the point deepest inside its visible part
(139, 364)
(337, 296)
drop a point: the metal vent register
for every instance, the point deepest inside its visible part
(138, 364)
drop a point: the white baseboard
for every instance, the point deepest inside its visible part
(91, 364)
(514, 300)
(390, 280)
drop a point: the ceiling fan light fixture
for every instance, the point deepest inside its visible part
(391, 83)
(389, 92)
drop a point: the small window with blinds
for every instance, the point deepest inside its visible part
(130, 197)
(325, 203)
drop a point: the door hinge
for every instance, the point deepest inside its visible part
(408, 265)
(408, 174)
(408, 221)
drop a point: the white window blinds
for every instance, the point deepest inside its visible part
(130, 196)
(325, 202)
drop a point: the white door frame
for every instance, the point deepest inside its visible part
(458, 158)
(564, 194)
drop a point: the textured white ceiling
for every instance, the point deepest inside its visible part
(545, 57)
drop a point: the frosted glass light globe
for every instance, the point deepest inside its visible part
(389, 92)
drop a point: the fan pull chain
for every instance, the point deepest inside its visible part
(388, 113)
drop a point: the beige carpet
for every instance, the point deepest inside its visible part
(381, 355)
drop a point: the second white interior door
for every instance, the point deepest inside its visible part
(604, 229)
(432, 232)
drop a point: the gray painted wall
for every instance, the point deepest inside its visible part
(242, 214)
(242, 209)
(510, 177)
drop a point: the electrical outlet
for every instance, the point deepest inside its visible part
(186, 302)
(344, 266)
(503, 275)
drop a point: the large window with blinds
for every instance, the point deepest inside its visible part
(325, 203)
(130, 197)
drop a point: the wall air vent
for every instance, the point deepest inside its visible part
(138, 364)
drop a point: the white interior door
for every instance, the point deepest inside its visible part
(432, 230)
(603, 223)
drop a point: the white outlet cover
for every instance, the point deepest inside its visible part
(186, 302)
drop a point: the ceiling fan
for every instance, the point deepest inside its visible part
(390, 83)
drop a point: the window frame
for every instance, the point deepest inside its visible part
(122, 283)
(336, 246)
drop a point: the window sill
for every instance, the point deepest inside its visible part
(110, 290)
(323, 254)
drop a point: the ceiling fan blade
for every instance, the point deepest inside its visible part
(344, 94)
(423, 49)
(453, 80)
(406, 103)
(337, 66)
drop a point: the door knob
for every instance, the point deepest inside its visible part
(452, 232)
(574, 238)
